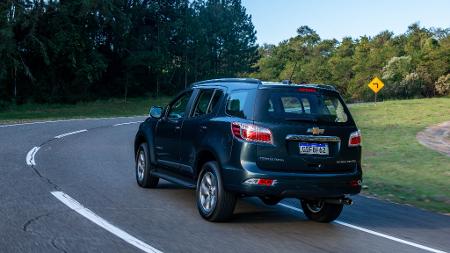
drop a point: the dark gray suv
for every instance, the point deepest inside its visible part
(231, 138)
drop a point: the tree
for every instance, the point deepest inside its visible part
(442, 85)
(410, 63)
(67, 51)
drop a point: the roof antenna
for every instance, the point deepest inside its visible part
(292, 73)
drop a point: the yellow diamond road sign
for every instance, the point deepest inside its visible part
(376, 85)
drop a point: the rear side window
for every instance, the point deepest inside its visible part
(215, 101)
(240, 104)
(202, 104)
(292, 105)
(207, 102)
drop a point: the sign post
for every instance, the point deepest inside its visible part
(376, 85)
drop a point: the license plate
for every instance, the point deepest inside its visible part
(313, 148)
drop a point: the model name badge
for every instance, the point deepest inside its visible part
(349, 161)
(270, 159)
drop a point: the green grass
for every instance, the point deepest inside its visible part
(100, 108)
(395, 165)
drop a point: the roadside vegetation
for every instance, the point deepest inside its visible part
(412, 65)
(395, 165)
(100, 108)
(72, 51)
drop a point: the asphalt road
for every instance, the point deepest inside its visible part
(110, 213)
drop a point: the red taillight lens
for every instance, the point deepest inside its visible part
(355, 139)
(355, 183)
(307, 90)
(250, 132)
(260, 181)
(265, 182)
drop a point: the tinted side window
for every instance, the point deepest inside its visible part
(178, 108)
(239, 105)
(215, 101)
(201, 107)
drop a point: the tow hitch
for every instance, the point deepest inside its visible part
(345, 201)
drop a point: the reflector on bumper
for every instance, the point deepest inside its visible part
(260, 181)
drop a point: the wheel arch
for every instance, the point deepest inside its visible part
(138, 140)
(144, 135)
(203, 156)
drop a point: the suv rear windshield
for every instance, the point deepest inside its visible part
(277, 105)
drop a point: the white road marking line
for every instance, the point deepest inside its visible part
(419, 246)
(128, 123)
(88, 214)
(71, 133)
(30, 156)
(67, 120)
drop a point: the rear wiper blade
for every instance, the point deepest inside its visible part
(301, 119)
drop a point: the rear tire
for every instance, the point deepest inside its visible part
(143, 168)
(318, 210)
(214, 203)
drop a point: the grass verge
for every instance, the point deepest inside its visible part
(100, 108)
(396, 167)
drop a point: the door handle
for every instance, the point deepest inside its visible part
(203, 128)
(177, 128)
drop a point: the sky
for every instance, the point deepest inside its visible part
(277, 20)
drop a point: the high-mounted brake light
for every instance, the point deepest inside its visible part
(251, 132)
(307, 90)
(355, 139)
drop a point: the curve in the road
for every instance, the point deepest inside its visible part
(85, 212)
(88, 214)
(30, 156)
(63, 120)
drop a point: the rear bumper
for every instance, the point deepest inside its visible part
(292, 185)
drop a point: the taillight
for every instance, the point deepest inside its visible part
(355, 139)
(251, 132)
(356, 183)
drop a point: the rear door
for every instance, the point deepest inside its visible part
(168, 132)
(196, 126)
(310, 130)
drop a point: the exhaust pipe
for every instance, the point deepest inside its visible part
(345, 201)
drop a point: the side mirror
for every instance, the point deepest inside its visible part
(156, 112)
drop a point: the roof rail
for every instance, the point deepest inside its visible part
(326, 86)
(229, 80)
(313, 85)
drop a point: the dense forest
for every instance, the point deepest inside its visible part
(414, 64)
(73, 50)
(64, 51)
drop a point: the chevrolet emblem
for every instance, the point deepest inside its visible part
(315, 130)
